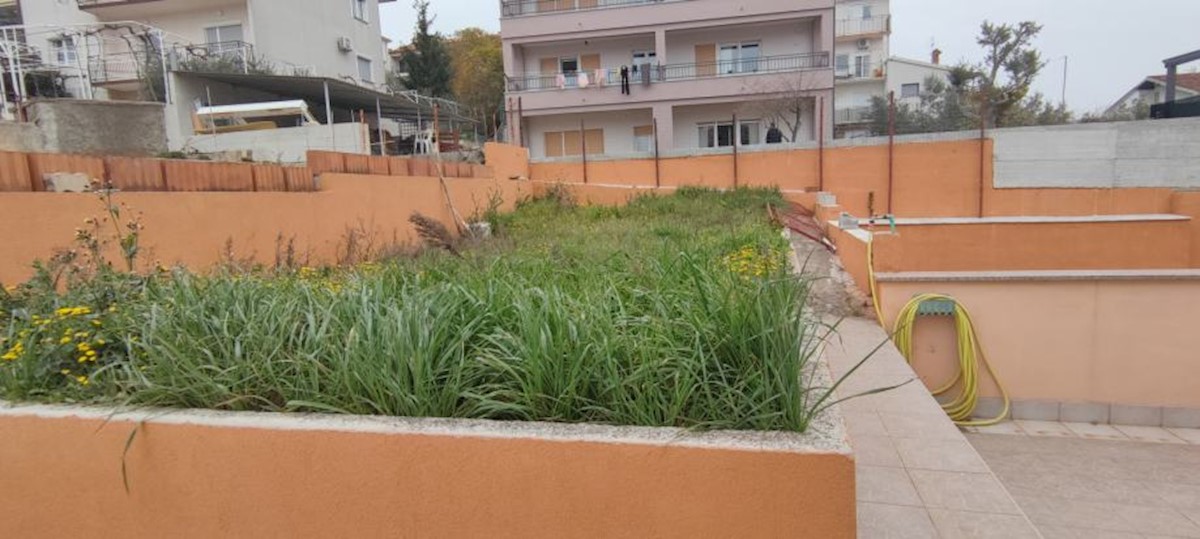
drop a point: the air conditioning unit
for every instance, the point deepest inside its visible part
(345, 44)
(864, 44)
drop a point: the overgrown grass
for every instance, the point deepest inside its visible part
(672, 311)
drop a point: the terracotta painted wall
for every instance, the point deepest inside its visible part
(250, 476)
(194, 228)
(508, 161)
(1124, 342)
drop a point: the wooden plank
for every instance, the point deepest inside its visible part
(706, 60)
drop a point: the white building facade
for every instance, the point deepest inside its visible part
(697, 73)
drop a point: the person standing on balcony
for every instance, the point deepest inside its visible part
(625, 80)
(774, 135)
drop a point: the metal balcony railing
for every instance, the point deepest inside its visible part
(852, 115)
(517, 8)
(879, 24)
(672, 72)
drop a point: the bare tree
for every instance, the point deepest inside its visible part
(791, 97)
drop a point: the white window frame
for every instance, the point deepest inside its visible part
(648, 56)
(643, 143)
(221, 42)
(739, 65)
(715, 138)
(64, 50)
(370, 65)
(360, 10)
(910, 85)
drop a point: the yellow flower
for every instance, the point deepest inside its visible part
(65, 372)
(83, 380)
(64, 340)
(97, 323)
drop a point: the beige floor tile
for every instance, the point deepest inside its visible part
(1064, 532)
(1045, 428)
(875, 451)
(878, 484)
(863, 424)
(1191, 436)
(1178, 495)
(876, 520)
(928, 426)
(1096, 432)
(1046, 511)
(961, 524)
(1007, 427)
(1159, 521)
(979, 492)
(944, 455)
(1153, 435)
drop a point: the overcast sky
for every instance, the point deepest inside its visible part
(1112, 44)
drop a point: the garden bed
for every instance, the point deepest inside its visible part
(676, 311)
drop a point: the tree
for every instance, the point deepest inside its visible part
(478, 66)
(787, 110)
(428, 62)
(1009, 68)
(1138, 109)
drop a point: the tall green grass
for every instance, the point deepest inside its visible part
(629, 316)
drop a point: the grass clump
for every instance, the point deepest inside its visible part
(671, 311)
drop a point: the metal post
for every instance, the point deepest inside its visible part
(583, 149)
(521, 121)
(1066, 64)
(657, 172)
(982, 156)
(821, 146)
(379, 126)
(891, 149)
(162, 57)
(736, 140)
(437, 129)
(329, 117)
(1172, 75)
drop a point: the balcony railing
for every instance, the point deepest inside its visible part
(672, 72)
(852, 115)
(880, 24)
(865, 71)
(517, 8)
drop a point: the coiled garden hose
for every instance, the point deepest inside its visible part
(962, 406)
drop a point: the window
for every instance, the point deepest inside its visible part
(643, 138)
(365, 72)
(842, 64)
(910, 90)
(737, 58)
(866, 11)
(570, 143)
(862, 66)
(568, 65)
(642, 57)
(224, 39)
(359, 9)
(720, 134)
(65, 52)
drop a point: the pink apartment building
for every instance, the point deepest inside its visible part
(602, 74)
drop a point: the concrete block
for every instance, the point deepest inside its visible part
(1035, 410)
(989, 407)
(1181, 418)
(67, 182)
(1084, 412)
(1149, 416)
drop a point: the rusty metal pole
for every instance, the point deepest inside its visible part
(736, 139)
(583, 149)
(821, 147)
(982, 156)
(657, 172)
(521, 121)
(891, 149)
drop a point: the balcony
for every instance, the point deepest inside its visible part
(860, 72)
(517, 8)
(863, 27)
(852, 115)
(113, 10)
(673, 72)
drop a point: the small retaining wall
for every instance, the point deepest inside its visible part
(210, 474)
(99, 127)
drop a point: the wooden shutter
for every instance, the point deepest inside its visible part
(595, 141)
(554, 144)
(589, 63)
(588, 3)
(572, 143)
(706, 60)
(547, 5)
(643, 131)
(549, 66)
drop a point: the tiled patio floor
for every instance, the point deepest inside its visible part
(1096, 481)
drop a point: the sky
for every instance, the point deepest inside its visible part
(1110, 45)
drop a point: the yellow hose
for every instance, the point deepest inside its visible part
(962, 406)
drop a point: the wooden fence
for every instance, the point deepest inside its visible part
(321, 162)
(25, 172)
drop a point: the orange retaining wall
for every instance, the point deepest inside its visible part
(1119, 342)
(215, 474)
(193, 229)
